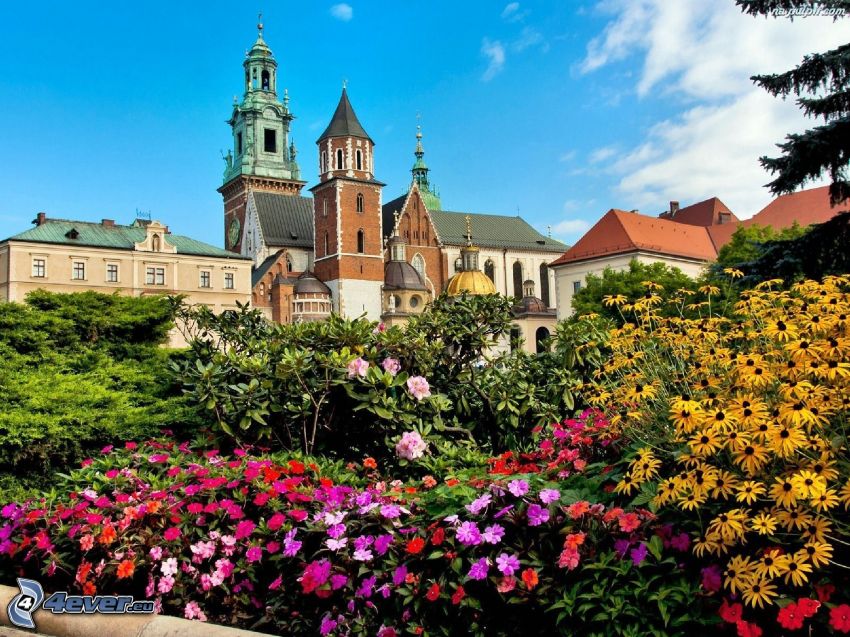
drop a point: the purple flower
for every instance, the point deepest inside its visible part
(507, 564)
(390, 511)
(363, 499)
(547, 496)
(357, 367)
(537, 515)
(327, 625)
(518, 487)
(399, 575)
(362, 542)
(502, 512)
(468, 533)
(638, 554)
(621, 547)
(479, 504)
(291, 546)
(493, 534)
(681, 542)
(338, 581)
(479, 569)
(711, 580)
(382, 543)
(336, 530)
(362, 555)
(391, 366)
(366, 587)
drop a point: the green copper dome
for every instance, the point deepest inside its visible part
(420, 175)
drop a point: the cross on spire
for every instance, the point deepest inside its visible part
(260, 23)
(468, 230)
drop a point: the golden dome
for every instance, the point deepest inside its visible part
(471, 282)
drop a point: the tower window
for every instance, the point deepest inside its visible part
(361, 241)
(253, 78)
(359, 160)
(359, 202)
(339, 159)
(326, 243)
(239, 143)
(518, 279)
(270, 140)
(458, 264)
(155, 243)
(324, 207)
(265, 81)
(324, 161)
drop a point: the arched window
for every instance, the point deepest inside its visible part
(326, 244)
(361, 241)
(518, 279)
(359, 200)
(265, 80)
(253, 78)
(339, 159)
(155, 243)
(458, 264)
(288, 263)
(490, 270)
(359, 160)
(324, 207)
(324, 161)
(418, 263)
(540, 337)
(544, 283)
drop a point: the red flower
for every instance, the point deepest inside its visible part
(433, 592)
(458, 596)
(415, 545)
(107, 536)
(790, 617)
(126, 569)
(825, 592)
(171, 534)
(731, 613)
(808, 607)
(89, 588)
(839, 618)
(296, 467)
(438, 537)
(529, 577)
(370, 463)
(451, 482)
(746, 629)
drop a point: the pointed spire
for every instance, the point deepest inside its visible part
(344, 122)
(468, 220)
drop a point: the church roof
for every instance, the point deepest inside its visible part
(286, 220)
(112, 236)
(621, 232)
(344, 123)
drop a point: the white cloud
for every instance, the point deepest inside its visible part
(342, 11)
(494, 51)
(569, 230)
(567, 156)
(702, 55)
(511, 12)
(528, 38)
(601, 154)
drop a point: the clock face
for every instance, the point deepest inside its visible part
(233, 233)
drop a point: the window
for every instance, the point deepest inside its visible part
(288, 263)
(361, 241)
(490, 270)
(359, 201)
(544, 284)
(239, 143)
(270, 140)
(205, 279)
(78, 271)
(458, 264)
(155, 276)
(326, 243)
(155, 243)
(359, 160)
(266, 83)
(112, 273)
(228, 281)
(414, 301)
(518, 279)
(576, 286)
(418, 263)
(39, 268)
(540, 339)
(339, 159)
(324, 161)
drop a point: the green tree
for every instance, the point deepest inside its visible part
(746, 243)
(821, 83)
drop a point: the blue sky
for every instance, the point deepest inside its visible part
(560, 110)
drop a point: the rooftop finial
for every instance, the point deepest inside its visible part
(395, 223)
(344, 84)
(260, 24)
(468, 230)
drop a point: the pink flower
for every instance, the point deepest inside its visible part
(168, 567)
(156, 553)
(254, 554)
(391, 366)
(569, 559)
(629, 522)
(518, 487)
(244, 529)
(357, 367)
(537, 515)
(493, 534)
(166, 583)
(87, 542)
(468, 533)
(547, 496)
(418, 387)
(193, 611)
(171, 533)
(479, 569)
(507, 564)
(276, 583)
(411, 446)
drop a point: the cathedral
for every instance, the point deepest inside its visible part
(343, 249)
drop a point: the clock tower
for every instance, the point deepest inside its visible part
(263, 157)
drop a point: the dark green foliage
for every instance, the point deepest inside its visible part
(822, 251)
(821, 83)
(747, 241)
(78, 372)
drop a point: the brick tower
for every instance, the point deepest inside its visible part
(263, 157)
(347, 216)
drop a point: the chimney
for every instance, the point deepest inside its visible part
(107, 223)
(674, 208)
(40, 219)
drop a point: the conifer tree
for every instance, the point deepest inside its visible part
(821, 83)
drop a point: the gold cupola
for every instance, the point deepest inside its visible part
(470, 280)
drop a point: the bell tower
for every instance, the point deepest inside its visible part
(263, 156)
(348, 244)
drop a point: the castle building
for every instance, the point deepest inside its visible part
(344, 250)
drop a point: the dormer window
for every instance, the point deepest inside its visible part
(72, 234)
(156, 244)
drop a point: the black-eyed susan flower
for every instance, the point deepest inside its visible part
(818, 553)
(783, 493)
(758, 592)
(750, 491)
(752, 458)
(764, 524)
(773, 564)
(798, 569)
(739, 571)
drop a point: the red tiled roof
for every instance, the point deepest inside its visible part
(704, 213)
(621, 232)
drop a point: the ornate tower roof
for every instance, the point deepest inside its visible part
(420, 172)
(344, 123)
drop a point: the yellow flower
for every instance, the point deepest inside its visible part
(738, 572)
(793, 519)
(752, 458)
(685, 414)
(816, 529)
(610, 300)
(705, 443)
(627, 485)
(641, 391)
(808, 485)
(729, 525)
(783, 493)
(819, 553)
(758, 592)
(781, 331)
(763, 524)
(750, 491)
(691, 501)
(798, 569)
(772, 565)
(785, 441)
(826, 501)
(724, 485)
(733, 273)
(705, 544)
